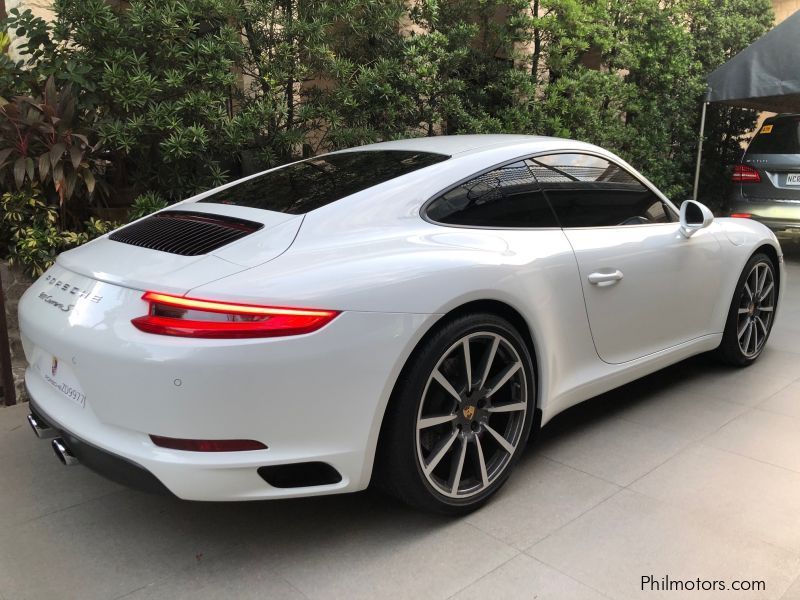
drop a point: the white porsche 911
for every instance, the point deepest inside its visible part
(405, 313)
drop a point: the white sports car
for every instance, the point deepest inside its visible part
(405, 313)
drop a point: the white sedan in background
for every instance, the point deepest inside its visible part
(406, 313)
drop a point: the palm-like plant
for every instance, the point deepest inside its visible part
(41, 145)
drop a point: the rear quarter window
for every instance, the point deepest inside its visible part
(777, 137)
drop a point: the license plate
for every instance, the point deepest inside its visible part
(60, 377)
(793, 179)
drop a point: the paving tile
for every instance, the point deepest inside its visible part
(762, 435)
(380, 551)
(540, 497)
(526, 578)
(739, 492)
(748, 386)
(680, 409)
(109, 546)
(613, 449)
(611, 547)
(774, 361)
(793, 593)
(786, 401)
(32, 481)
(784, 338)
(239, 575)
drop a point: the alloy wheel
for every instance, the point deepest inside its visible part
(756, 309)
(472, 415)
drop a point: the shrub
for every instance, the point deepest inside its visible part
(30, 234)
(42, 147)
(145, 204)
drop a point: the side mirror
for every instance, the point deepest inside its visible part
(694, 217)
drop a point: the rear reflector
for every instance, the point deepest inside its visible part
(207, 445)
(745, 174)
(741, 215)
(192, 317)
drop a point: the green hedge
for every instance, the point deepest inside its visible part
(174, 96)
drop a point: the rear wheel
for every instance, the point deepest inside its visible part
(460, 416)
(751, 314)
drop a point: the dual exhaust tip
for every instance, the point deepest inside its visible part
(44, 432)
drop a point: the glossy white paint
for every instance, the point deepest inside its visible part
(394, 275)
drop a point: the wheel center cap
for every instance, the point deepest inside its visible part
(468, 412)
(751, 309)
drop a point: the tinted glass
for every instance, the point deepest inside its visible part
(303, 186)
(506, 197)
(778, 137)
(588, 191)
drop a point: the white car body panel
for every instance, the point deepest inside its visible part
(394, 275)
(661, 270)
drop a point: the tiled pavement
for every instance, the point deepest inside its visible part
(693, 472)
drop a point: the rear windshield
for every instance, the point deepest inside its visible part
(778, 137)
(303, 186)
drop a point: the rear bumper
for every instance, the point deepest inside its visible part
(314, 398)
(102, 462)
(777, 216)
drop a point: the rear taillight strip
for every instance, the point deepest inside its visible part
(194, 317)
(745, 174)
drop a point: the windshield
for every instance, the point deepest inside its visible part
(304, 186)
(778, 137)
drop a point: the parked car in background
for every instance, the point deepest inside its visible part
(767, 181)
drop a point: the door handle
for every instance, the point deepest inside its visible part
(607, 278)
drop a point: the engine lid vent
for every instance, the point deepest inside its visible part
(185, 233)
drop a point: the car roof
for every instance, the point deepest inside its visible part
(454, 145)
(782, 116)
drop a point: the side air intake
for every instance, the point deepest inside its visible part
(185, 233)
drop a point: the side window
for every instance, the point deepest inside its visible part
(505, 197)
(588, 191)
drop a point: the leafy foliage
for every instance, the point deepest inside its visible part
(145, 204)
(30, 234)
(182, 95)
(40, 145)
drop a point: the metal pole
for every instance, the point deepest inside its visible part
(699, 151)
(9, 391)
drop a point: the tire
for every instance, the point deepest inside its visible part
(435, 422)
(751, 315)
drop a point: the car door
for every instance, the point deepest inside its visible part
(504, 209)
(646, 287)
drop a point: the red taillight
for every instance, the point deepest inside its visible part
(745, 174)
(741, 215)
(207, 445)
(192, 317)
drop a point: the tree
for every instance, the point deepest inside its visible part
(722, 28)
(301, 70)
(154, 80)
(630, 75)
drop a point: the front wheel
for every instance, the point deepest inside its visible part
(751, 314)
(460, 416)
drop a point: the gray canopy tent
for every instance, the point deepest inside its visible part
(763, 76)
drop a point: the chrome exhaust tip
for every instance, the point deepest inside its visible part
(63, 453)
(42, 430)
